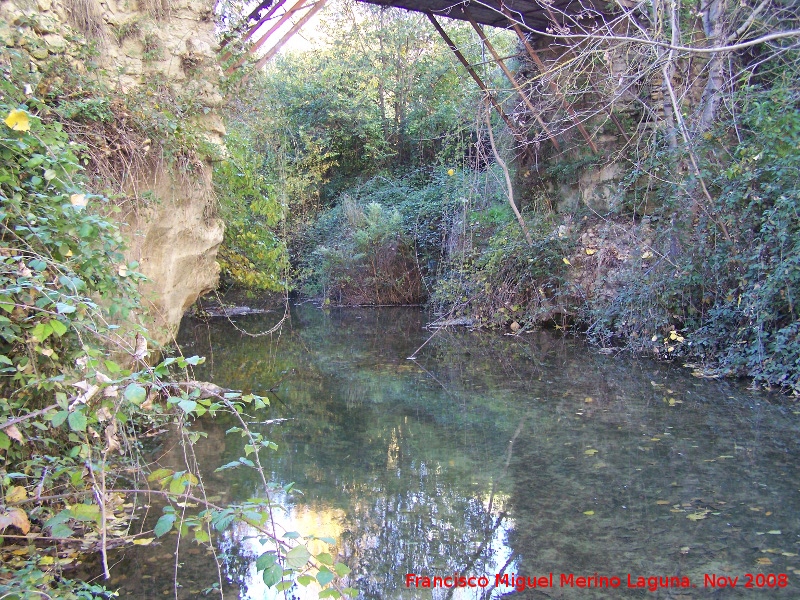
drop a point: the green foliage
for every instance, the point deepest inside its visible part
(252, 256)
(367, 259)
(504, 279)
(727, 281)
(61, 267)
(152, 48)
(63, 282)
(131, 28)
(124, 136)
(32, 583)
(384, 236)
(157, 114)
(385, 95)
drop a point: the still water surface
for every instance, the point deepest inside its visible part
(489, 455)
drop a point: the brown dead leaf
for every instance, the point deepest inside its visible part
(104, 414)
(14, 433)
(112, 441)
(17, 518)
(140, 352)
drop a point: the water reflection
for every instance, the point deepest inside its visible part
(489, 456)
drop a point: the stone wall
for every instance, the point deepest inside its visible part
(174, 235)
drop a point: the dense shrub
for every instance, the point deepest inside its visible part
(252, 255)
(504, 279)
(725, 291)
(365, 258)
(63, 285)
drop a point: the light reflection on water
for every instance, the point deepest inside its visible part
(490, 455)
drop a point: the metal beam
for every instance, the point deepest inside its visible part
(255, 27)
(262, 40)
(274, 50)
(543, 69)
(472, 72)
(512, 79)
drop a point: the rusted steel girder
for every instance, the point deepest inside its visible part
(512, 79)
(473, 74)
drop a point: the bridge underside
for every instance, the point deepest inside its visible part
(495, 13)
(533, 16)
(529, 20)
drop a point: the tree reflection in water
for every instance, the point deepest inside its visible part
(491, 454)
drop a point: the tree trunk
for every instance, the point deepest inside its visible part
(713, 23)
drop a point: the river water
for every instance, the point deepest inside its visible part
(489, 455)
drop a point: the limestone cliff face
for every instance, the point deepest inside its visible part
(173, 231)
(175, 242)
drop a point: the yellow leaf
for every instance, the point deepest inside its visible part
(662, 502)
(789, 554)
(774, 532)
(143, 541)
(15, 494)
(647, 255)
(451, 172)
(763, 561)
(18, 120)
(673, 335)
(46, 560)
(588, 399)
(122, 270)
(697, 516)
(590, 452)
(566, 262)
(590, 251)
(78, 200)
(588, 513)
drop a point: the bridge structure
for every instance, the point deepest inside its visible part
(528, 19)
